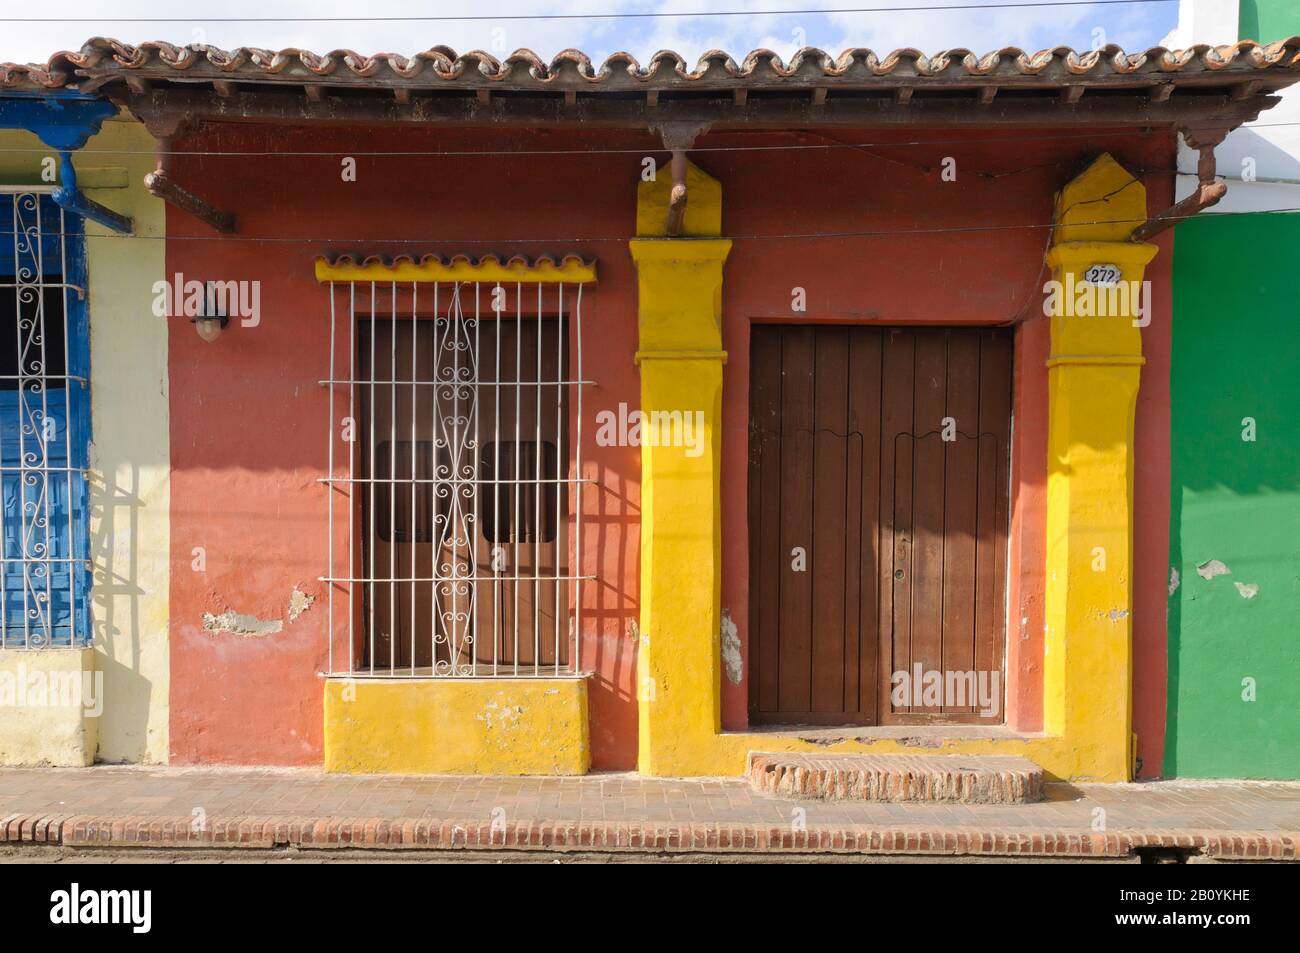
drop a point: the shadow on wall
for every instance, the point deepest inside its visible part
(1270, 160)
(610, 637)
(116, 511)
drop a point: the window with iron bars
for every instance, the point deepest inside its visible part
(44, 424)
(454, 474)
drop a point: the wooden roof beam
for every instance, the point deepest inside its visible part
(160, 184)
(1245, 91)
(677, 138)
(1209, 190)
(286, 105)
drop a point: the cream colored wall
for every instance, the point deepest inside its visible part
(49, 703)
(130, 453)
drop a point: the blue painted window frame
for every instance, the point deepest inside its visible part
(76, 451)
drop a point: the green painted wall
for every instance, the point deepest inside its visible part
(1236, 354)
(1268, 20)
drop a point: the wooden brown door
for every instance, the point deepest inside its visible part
(878, 510)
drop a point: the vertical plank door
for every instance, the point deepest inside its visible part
(878, 511)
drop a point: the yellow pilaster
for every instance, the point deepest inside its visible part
(678, 665)
(679, 673)
(1093, 375)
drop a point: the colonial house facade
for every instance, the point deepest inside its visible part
(461, 415)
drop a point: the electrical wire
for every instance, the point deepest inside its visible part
(491, 153)
(588, 240)
(657, 15)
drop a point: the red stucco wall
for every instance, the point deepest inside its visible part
(249, 421)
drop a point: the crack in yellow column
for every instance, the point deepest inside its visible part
(1093, 376)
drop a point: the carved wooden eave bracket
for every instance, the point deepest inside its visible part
(1209, 189)
(160, 183)
(677, 138)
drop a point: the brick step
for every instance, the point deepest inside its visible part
(946, 779)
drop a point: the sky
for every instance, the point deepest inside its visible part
(1134, 25)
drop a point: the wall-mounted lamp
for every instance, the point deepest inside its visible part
(210, 323)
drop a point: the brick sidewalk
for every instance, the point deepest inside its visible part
(263, 808)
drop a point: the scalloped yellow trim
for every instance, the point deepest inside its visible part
(544, 271)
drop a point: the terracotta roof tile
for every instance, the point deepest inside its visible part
(102, 60)
(467, 261)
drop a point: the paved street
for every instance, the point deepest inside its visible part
(192, 808)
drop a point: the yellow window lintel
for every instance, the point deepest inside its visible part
(517, 270)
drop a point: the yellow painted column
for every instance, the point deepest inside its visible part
(1093, 377)
(680, 355)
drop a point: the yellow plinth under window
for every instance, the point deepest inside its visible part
(457, 726)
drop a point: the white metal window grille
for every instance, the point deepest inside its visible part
(454, 475)
(44, 575)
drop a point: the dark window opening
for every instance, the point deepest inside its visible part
(515, 517)
(406, 462)
(40, 347)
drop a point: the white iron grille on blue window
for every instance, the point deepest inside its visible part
(454, 476)
(43, 577)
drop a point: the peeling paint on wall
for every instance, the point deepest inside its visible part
(732, 663)
(1173, 579)
(299, 602)
(496, 715)
(1248, 590)
(240, 623)
(1211, 568)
